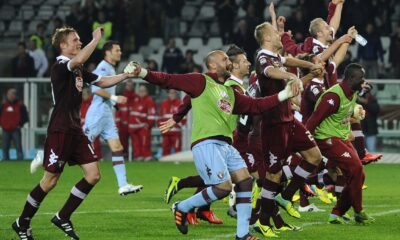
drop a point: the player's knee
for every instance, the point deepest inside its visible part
(47, 184)
(93, 178)
(274, 177)
(314, 157)
(244, 185)
(227, 186)
(220, 193)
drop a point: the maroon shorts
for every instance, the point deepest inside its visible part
(284, 139)
(253, 157)
(61, 148)
(340, 154)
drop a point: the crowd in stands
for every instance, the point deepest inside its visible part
(133, 23)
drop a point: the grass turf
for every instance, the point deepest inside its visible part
(106, 215)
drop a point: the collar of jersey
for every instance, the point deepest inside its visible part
(62, 57)
(268, 52)
(317, 80)
(316, 41)
(236, 79)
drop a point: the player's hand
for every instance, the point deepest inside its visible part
(352, 31)
(133, 69)
(271, 10)
(97, 33)
(317, 71)
(358, 112)
(351, 137)
(122, 99)
(281, 23)
(166, 126)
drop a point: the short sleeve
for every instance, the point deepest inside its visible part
(89, 77)
(264, 63)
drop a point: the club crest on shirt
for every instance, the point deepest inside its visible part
(220, 175)
(79, 83)
(224, 105)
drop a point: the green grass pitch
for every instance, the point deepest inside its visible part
(106, 215)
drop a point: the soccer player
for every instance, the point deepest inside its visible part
(99, 118)
(330, 125)
(240, 69)
(282, 134)
(214, 107)
(66, 142)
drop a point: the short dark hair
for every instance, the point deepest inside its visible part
(234, 51)
(108, 45)
(307, 58)
(351, 69)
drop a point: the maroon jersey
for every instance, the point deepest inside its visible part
(309, 97)
(67, 88)
(268, 86)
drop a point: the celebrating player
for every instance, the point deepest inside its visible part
(65, 142)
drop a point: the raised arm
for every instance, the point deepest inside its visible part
(330, 51)
(335, 14)
(85, 53)
(272, 13)
(341, 52)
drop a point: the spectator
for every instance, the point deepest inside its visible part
(369, 124)
(106, 25)
(90, 9)
(369, 54)
(225, 11)
(173, 10)
(394, 52)
(172, 58)
(13, 116)
(122, 115)
(39, 58)
(152, 65)
(79, 20)
(172, 140)
(240, 36)
(188, 62)
(57, 23)
(296, 23)
(23, 65)
(141, 119)
(40, 36)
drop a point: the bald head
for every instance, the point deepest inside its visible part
(217, 61)
(212, 57)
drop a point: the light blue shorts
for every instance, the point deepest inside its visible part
(105, 127)
(215, 159)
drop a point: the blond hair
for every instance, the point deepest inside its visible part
(261, 30)
(60, 35)
(315, 27)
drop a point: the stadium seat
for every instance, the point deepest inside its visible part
(178, 42)
(15, 28)
(63, 11)
(145, 51)
(386, 45)
(26, 13)
(136, 57)
(34, 2)
(53, 2)
(45, 12)
(195, 43)
(16, 2)
(284, 11)
(214, 29)
(7, 12)
(188, 12)
(155, 43)
(292, 3)
(197, 58)
(353, 50)
(207, 12)
(2, 28)
(214, 43)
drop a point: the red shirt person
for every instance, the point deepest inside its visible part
(142, 117)
(13, 115)
(173, 138)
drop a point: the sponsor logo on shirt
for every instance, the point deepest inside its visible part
(346, 155)
(224, 105)
(272, 159)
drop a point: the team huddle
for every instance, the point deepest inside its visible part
(247, 143)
